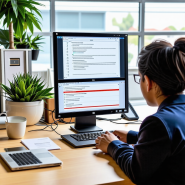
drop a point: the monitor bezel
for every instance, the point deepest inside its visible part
(56, 81)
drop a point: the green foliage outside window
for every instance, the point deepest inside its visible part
(172, 28)
(127, 22)
(130, 57)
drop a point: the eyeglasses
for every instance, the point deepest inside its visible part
(137, 78)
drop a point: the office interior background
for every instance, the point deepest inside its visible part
(143, 20)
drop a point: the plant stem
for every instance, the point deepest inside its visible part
(11, 38)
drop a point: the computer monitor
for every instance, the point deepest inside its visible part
(90, 76)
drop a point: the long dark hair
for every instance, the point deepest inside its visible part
(164, 64)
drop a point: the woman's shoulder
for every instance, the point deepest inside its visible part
(170, 118)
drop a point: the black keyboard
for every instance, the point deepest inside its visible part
(25, 158)
(82, 139)
(87, 136)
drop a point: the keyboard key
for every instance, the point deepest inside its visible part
(25, 158)
(87, 136)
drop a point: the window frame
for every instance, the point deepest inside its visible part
(141, 33)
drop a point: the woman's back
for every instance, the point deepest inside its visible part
(167, 134)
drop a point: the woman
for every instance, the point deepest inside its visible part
(158, 156)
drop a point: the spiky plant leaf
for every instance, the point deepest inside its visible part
(27, 98)
(17, 97)
(26, 88)
(22, 99)
(12, 97)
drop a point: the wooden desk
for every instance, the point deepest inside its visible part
(82, 166)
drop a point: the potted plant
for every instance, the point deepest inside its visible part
(25, 97)
(26, 42)
(20, 15)
(35, 44)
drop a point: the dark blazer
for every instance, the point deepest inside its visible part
(158, 157)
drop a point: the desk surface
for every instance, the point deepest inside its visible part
(84, 166)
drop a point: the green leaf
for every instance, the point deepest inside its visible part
(17, 97)
(29, 23)
(14, 6)
(27, 98)
(28, 92)
(5, 22)
(13, 97)
(37, 11)
(21, 9)
(8, 18)
(40, 88)
(12, 17)
(25, 26)
(19, 92)
(34, 20)
(19, 27)
(4, 38)
(6, 89)
(28, 82)
(12, 87)
(2, 12)
(22, 99)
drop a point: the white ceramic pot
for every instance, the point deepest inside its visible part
(32, 111)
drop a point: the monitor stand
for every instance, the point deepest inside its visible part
(85, 124)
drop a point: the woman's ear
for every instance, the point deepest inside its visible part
(149, 83)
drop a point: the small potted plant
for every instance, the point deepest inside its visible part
(35, 44)
(25, 97)
(26, 42)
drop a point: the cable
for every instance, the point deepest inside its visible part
(55, 122)
(117, 119)
(99, 118)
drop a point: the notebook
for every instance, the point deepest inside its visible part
(29, 159)
(37, 143)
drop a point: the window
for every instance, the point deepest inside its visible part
(144, 21)
(45, 12)
(44, 58)
(169, 38)
(96, 16)
(170, 16)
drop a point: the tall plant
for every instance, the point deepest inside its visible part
(20, 15)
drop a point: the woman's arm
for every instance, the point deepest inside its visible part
(132, 137)
(141, 161)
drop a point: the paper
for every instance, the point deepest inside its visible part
(38, 143)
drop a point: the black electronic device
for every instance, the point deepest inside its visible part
(131, 114)
(90, 76)
(82, 139)
(15, 149)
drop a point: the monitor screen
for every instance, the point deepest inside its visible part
(91, 74)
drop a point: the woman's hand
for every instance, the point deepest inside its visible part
(102, 142)
(121, 134)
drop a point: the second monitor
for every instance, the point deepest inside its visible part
(91, 76)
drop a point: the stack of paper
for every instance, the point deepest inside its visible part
(38, 143)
